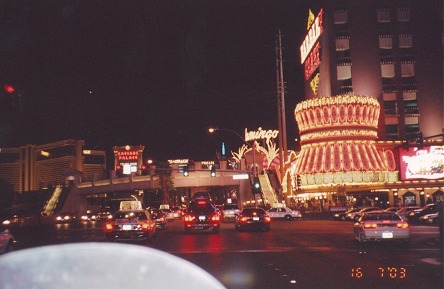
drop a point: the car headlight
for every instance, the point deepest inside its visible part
(6, 222)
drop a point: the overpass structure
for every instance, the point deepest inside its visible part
(76, 200)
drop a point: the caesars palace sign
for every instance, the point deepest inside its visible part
(260, 134)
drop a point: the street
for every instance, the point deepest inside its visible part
(294, 254)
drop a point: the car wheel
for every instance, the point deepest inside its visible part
(288, 217)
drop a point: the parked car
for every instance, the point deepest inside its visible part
(229, 212)
(429, 219)
(159, 217)
(381, 226)
(7, 242)
(342, 216)
(405, 210)
(253, 219)
(356, 215)
(284, 213)
(201, 216)
(415, 215)
(131, 225)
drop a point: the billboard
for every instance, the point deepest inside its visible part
(422, 163)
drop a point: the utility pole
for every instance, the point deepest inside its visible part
(282, 126)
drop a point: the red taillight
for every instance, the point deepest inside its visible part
(267, 219)
(370, 225)
(109, 226)
(402, 225)
(243, 219)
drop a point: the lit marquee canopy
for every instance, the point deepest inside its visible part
(338, 136)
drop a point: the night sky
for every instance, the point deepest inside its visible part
(156, 73)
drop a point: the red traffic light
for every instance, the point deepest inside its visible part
(9, 88)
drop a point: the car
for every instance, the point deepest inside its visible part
(65, 217)
(342, 216)
(429, 219)
(392, 209)
(415, 215)
(104, 215)
(253, 219)
(202, 196)
(229, 212)
(201, 216)
(89, 216)
(405, 210)
(159, 217)
(177, 212)
(381, 226)
(356, 215)
(7, 242)
(168, 213)
(284, 213)
(131, 225)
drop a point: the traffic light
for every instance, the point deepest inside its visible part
(185, 171)
(256, 186)
(213, 171)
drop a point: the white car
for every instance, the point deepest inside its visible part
(283, 213)
(381, 225)
(7, 242)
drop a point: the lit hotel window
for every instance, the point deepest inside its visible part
(385, 42)
(403, 14)
(383, 15)
(340, 17)
(388, 70)
(405, 41)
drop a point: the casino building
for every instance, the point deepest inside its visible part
(374, 101)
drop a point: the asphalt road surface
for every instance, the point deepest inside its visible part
(294, 254)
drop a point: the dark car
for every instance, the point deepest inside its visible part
(356, 215)
(253, 219)
(201, 216)
(131, 225)
(342, 216)
(415, 215)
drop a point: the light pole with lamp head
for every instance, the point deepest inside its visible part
(212, 130)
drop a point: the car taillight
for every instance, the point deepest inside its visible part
(188, 218)
(267, 219)
(145, 226)
(243, 219)
(370, 225)
(402, 225)
(109, 227)
(215, 218)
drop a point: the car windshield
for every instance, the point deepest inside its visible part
(253, 212)
(380, 217)
(130, 215)
(231, 207)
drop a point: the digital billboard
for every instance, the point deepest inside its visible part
(422, 163)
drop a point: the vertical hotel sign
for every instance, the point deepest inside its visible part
(310, 48)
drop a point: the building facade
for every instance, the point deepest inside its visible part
(391, 50)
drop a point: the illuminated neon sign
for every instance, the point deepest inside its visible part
(127, 155)
(313, 35)
(422, 163)
(260, 134)
(313, 61)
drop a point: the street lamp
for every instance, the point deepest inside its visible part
(212, 130)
